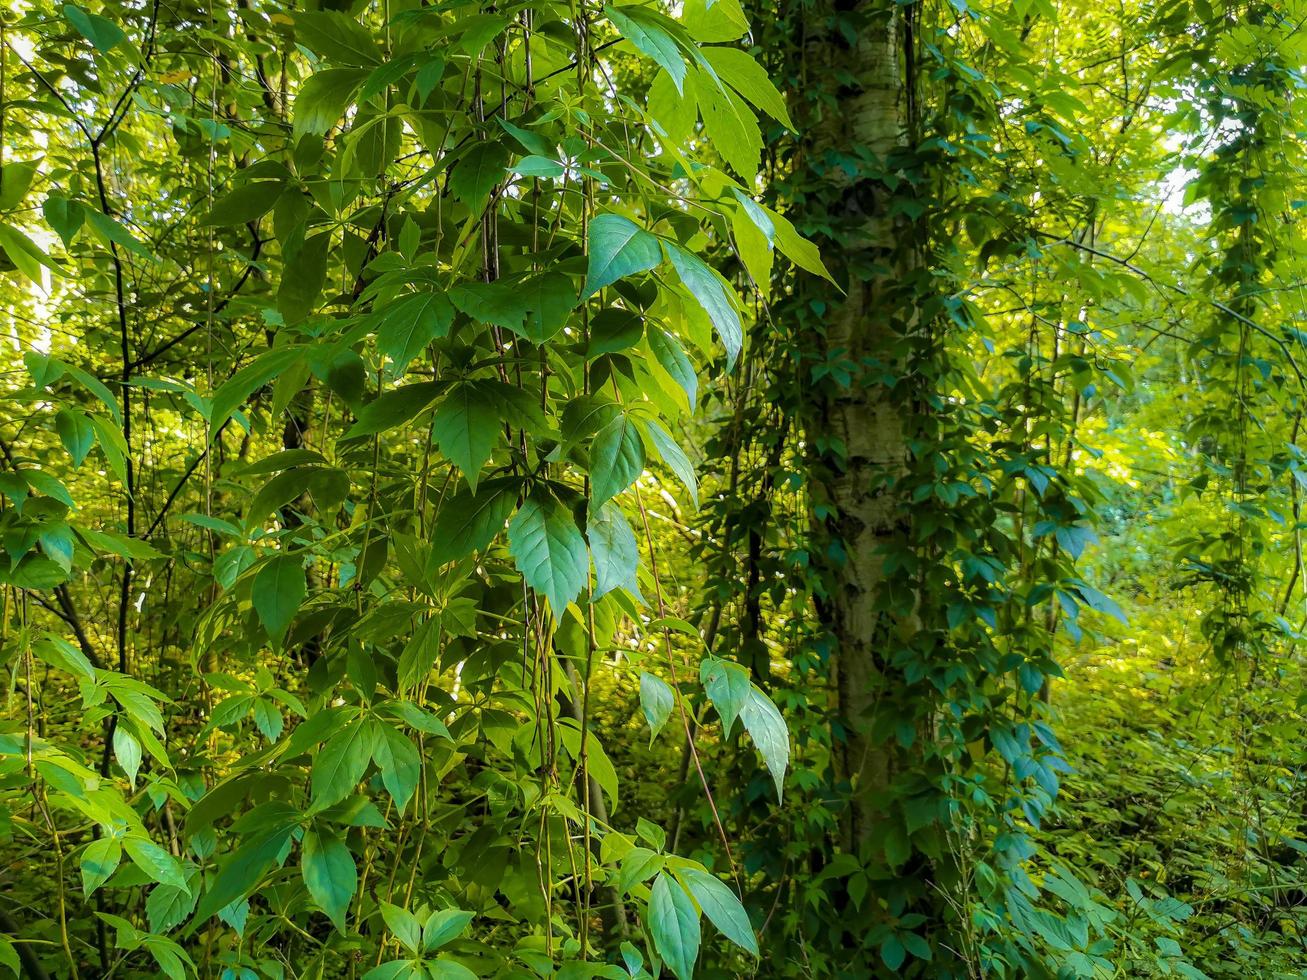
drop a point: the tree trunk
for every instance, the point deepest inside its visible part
(861, 420)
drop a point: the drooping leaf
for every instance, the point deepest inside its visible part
(674, 923)
(713, 294)
(616, 459)
(466, 427)
(549, 550)
(767, 727)
(329, 873)
(613, 547)
(279, 589)
(721, 906)
(656, 700)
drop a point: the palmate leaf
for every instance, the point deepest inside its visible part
(549, 550)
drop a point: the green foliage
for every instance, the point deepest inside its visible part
(409, 403)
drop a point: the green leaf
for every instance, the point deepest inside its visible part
(669, 353)
(656, 700)
(112, 444)
(738, 70)
(616, 459)
(302, 278)
(618, 248)
(549, 550)
(167, 908)
(248, 380)
(340, 764)
(100, 31)
(769, 733)
(336, 36)
(404, 328)
(467, 428)
(98, 862)
(442, 926)
(279, 588)
(614, 550)
(403, 924)
(727, 687)
(155, 862)
(394, 407)
(329, 873)
(479, 172)
(796, 248)
(323, 99)
(247, 203)
(112, 231)
(730, 125)
(64, 216)
(638, 865)
(26, 255)
(721, 906)
(61, 654)
(127, 751)
(401, 767)
(652, 35)
(674, 111)
(470, 520)
(674, 923)
(76, 433)
(15, 180)
(241, 871)
(713, 294)
(670, 453)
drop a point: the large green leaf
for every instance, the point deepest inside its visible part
(279, 588)
(394, 407)
(674, 456)
(713, 294)
(721, 906)
(405, 327)
(478, 172)
(470, 520)
(727, 687)
(767, 727)
(674, 923)
(616, 459)
(324, 97)
(616, 555)
(401, 767)
(340, 764)
(652, 34)
(466, 428)
(549, 550)
(656, 701)
(329, 873)
(618, 248)
(738, 70)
